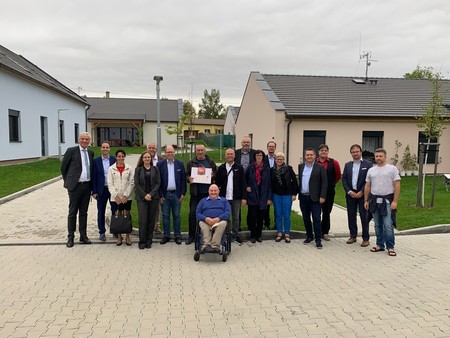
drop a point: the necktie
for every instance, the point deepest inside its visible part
(86, 164)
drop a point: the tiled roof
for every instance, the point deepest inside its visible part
(328, 96)
(20, 66)
(133, 109)
(212, 122)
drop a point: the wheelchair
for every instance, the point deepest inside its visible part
(225, 247)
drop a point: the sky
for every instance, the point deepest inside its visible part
(119, 46)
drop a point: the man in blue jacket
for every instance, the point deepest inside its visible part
(171, 191)
(100, 186)
(354, 180)
(212, 213)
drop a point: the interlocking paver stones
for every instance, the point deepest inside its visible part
(269, 290)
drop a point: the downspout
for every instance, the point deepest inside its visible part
(86, 108)
(288, 139)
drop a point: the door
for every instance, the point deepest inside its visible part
(44, 136)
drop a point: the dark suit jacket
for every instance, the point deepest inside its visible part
(139, 183)
(348, 174)
(239, 183)
(71, 166)
(180, 178)
(317, 182)
(238, 154)
(98, 175)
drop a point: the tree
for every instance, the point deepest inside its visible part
(434, 117)
(420, 73)
(188, 117)
(211, 108)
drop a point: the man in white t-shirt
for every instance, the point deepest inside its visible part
(381, 198)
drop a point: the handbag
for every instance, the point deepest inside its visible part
(121, 223)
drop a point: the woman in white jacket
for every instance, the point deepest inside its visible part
(121, 185)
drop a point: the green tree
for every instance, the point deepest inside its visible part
(188, 117)
(420, 73)
(433, 120)
(211, 108)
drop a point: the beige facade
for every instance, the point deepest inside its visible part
(263, 117)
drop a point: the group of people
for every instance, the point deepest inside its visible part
(248, 177)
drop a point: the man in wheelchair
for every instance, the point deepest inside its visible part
(212, 214)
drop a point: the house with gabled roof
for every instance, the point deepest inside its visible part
(304, 111)
(43, 116)
(120, 120)
(230, 120)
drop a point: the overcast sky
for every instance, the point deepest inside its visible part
(118, 46)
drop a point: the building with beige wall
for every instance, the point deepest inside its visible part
(304, 111)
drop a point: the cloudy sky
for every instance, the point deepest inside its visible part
(118, 46)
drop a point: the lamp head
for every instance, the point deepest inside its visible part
(158, 78)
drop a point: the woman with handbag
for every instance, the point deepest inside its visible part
(121, 185)
(147, 181)
(284, 192)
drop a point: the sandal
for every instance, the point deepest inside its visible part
(278, 239)
(376, 249)
(392, 253)
(128, 240)
(287, 239)
(119, 240)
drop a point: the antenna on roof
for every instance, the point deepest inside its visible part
(368, 56)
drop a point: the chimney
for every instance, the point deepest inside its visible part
(107, 95)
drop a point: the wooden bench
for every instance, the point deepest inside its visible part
(446, 180)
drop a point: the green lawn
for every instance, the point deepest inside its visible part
(20, 176)
(409, 216)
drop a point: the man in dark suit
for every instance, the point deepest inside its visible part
(100, 186)
(269, 160)
(313, 191)
(171, 191)
(354, 180)
(76, 170)
(244, 156)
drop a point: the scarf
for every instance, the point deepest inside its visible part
(258, 170)
(280, 172)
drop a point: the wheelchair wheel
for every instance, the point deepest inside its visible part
(196, 256)
(225, 256)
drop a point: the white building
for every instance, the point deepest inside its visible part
(30, 103)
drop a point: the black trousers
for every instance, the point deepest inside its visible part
(326, 211)
(255, 221)
(192, 213)
(78, 204)
(147, 213)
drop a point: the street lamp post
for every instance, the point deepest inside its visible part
(59, 132)
(158, 79)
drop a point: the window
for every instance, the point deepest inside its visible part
(61, 131)
(371, 140)
(14, 126)
(431, 149)
(313, 139)
(207, 131)
(77, 131)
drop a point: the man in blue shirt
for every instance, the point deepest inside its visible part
(212, 213)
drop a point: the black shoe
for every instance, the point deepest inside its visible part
(253, 240)
(206, 249)
(318, 245)
(165, 240)
(85, 240)
(141, 246)
(307, 241)
(149, 245)
(69, 243)
(238, 239)
(178, 240)
(259, 239)
(190, 240)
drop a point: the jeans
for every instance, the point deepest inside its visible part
(308, 208)
(384, 228)
(102, 201)
(353, 206)
(171, 201)
(282, 205)
(235, 206)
